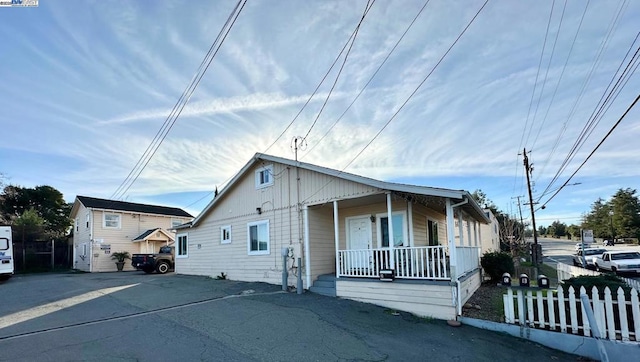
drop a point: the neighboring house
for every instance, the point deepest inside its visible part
(337, 224)
(490, 233)
(102, 227)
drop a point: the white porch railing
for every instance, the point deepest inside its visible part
(467, 258)
(422, 262)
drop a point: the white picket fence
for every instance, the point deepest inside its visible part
(617, 317)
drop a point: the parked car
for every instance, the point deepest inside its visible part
(161, 262)
(590, 255)
(619, 262)
(608, 242)
(587, 245)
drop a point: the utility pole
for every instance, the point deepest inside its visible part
(528, 170)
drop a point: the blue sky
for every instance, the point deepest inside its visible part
(87, 84)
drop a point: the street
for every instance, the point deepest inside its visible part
(561, 251)
(132, 316)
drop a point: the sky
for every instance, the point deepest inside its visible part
(87, 85)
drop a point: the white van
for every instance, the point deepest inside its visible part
(6, 253)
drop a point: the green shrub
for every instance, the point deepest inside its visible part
(601, 281)
(497, 263)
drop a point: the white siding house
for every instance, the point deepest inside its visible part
(333, 229)
(490, 233)
(102, 227)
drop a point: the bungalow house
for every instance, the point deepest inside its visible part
(344, 235)
(103, 226)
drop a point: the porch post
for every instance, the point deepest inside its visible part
(336, 236)
(460, 227)
(451, 239)
(390, 231)
(410, 222)
(307, 252)
(469, 231)
(475, 232)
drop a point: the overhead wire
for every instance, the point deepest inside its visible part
(315, 90)
(593, 151)
(596, 62)
(408, 98)
(564, 68)
(606, 100)
(344, 62)
(613, 25)
(155, 144)
(369, 81)
(533, 94)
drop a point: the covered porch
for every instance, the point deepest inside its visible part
(417, 246)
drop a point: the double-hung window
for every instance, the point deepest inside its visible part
(264, 176)
(225, 234)
(111, 221)
(258, 237)
(182, 251)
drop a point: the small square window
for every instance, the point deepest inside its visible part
(225, 234)
(264, 176)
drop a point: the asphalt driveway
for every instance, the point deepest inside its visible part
(133, 316)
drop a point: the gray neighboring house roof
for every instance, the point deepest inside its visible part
(471, 205)
(104, 204)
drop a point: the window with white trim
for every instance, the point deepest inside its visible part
(225, 234)
(258, 237)
(182, 249)
(264, 176)
(84, 249)
(88, 219)
(111, 221)
(77, 224)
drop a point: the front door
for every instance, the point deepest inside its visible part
(359, 242)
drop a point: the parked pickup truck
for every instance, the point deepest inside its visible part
(161, 262)
(619, 262)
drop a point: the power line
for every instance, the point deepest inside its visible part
(601, 108)
(409, 97)
(180, 104)
(316, 89)
(594, 150)
(370, 79)
(346, 56)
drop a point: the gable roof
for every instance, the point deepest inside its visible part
(146, 234)
(461, 195)
(104, 204)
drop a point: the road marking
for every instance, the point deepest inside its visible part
(133, 315)
(52, 307)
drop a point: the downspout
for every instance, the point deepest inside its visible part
(390, 232)
(336, 236)
(452, 247)
(90, 240)
(307, 253)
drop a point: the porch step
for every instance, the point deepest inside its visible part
(324, 285)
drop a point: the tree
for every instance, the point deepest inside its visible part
(484, 202)
(559, 228)
(626, 213)
(619, 216)
(45, 201)
(574, 230)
